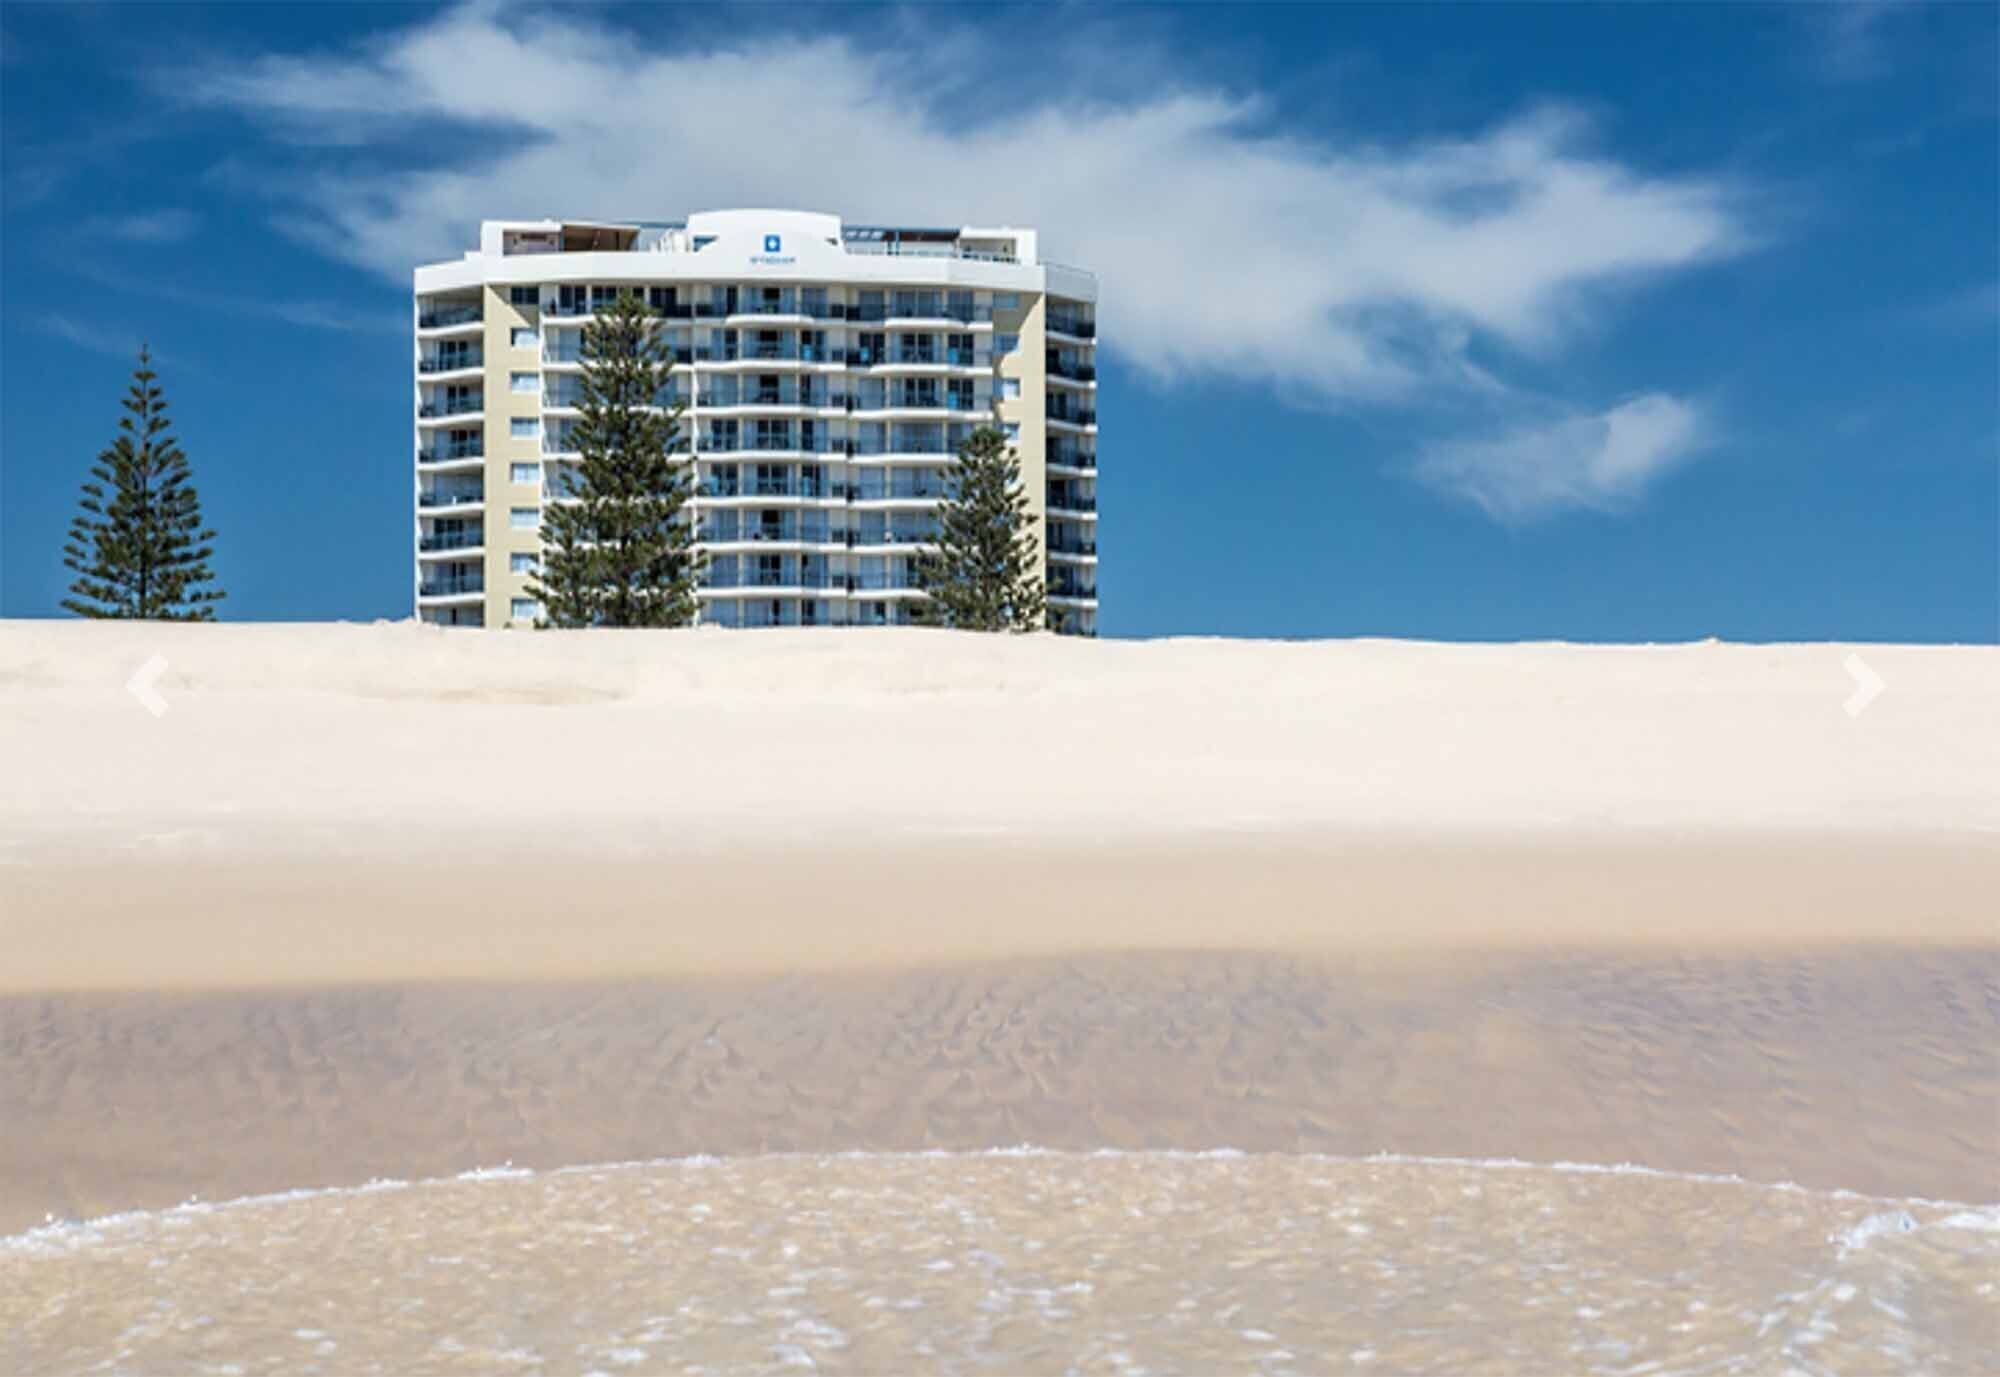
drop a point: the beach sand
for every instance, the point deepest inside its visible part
(379, 902)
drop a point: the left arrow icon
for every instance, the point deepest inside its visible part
(140, 685)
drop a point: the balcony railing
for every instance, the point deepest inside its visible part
(762, 396)
(1073, 415)
(452, 540)
(786, 304)
(803, 532)
(712, 445)
(1071, 501)
(450, 497)
(1072, 547)
(437, 317)
(452, 406)
(1069, 457)
(898, 249)
(1076, 327)
(771, 578)
(445, 453)
(891, 492)
(447, 363)
(871, 582)
(1075, 372)
(452, 584)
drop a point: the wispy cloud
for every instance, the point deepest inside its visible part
(1603, 462)
(1975, 306)
(98, 339)
(1850, 40)
(1339, 270)
(148, 227)
(303, 312)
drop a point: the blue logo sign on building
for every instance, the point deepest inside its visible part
(774, 255)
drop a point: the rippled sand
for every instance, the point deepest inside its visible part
(1873, 1069)
(1029, 1262)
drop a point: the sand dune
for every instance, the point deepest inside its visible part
(349, 739)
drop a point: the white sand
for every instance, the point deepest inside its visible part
(355, 776)
(434, 736)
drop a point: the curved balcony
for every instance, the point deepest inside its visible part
(443, 542)
(441, 364)
(452, 588)
(451, 459)
(434, 322)
(453, 411)
(442, 500)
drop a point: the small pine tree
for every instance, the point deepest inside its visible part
(623, 553)
(138, 546)
(986, 574)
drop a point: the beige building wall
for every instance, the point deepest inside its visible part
(1029, 366)
(504, 450)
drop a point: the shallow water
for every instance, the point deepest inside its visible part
(1020, 1262)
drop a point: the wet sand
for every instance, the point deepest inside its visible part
(1031, 1263)
(1872, 1068)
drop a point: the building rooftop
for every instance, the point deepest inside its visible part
(759, 229)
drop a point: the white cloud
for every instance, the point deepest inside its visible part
(1354, 269)
(1604, 461)
(152, 227)
(1338, 270)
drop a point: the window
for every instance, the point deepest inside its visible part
(525, 296)
(1006, 344)
(1010, 388)
(520, 563)
(1013, 429)
(525, 518)
(526, 609)
(526, 473)
(525, 382)
(524, 427)
(525, 337)
(1006, 301)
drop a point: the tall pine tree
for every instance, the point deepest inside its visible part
(138, 546)
(622, 553)
(986, 574)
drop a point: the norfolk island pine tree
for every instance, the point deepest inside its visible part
(138, 546)
(622, 553)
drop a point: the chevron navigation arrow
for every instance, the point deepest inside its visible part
(1868, 685)
(140, 685)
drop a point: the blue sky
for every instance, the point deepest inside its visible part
(1600, 323)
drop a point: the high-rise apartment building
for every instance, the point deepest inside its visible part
(829, 373)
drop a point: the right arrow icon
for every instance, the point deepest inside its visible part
(1867, 685)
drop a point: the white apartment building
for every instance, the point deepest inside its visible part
(830, 373)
